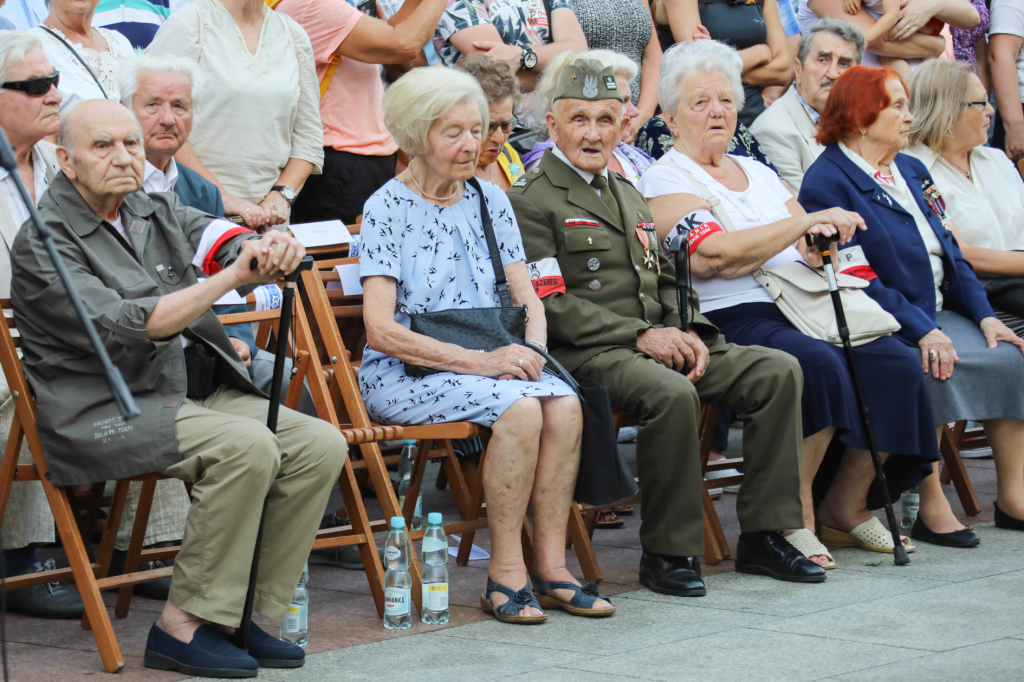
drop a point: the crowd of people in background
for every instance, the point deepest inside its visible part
(586, 136)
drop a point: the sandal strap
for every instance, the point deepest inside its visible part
(585, 595)
(517, 600)
(808, 544)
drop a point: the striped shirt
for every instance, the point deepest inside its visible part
(136, 20)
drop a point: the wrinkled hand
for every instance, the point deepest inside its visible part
(511, 362)
(702, 33)
(253, 215)
(995, 331)
(242, 348)
(913, 16)
(1015, 143)
(836, 221)
(676, 349)
(851, 6)
(277, 254)
(276, 208)
(510, 54)
(941, 365)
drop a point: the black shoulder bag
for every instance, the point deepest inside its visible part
(603, 476)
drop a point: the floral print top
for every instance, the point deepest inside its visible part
(519, 22)
(655, 138)
(965, 40)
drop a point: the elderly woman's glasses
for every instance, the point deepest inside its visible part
(979, 104)
(506, 126)
(34, 87)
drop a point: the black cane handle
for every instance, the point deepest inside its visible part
(820, 241)
(305, 264)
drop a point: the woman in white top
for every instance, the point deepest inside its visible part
(257, 132)
(701, 93)
(983, 192)
(68, 30)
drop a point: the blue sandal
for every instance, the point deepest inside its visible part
(509, 611)
(581, 604)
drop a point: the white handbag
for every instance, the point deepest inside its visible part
(801, 292)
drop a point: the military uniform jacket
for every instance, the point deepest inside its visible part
(84, 438)
(589, 266)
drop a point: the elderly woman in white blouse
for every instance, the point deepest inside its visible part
(87, 58)
(258, 134)
(983, 193)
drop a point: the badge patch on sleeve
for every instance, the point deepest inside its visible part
(546, 277)
(852, 261)
(700, 225)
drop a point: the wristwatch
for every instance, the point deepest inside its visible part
(287, 192)
(529, 59)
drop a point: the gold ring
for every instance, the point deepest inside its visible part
(932, 354)
(521, 363)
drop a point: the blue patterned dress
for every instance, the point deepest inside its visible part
(438, 258)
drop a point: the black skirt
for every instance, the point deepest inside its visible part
(894, 383)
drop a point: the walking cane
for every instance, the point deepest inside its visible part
(290, 281)
(824, 245)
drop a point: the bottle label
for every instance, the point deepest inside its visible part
(396, 601)
(392, 553)
(435, 596)
(911, 504)
(290, 623)
(303, 617)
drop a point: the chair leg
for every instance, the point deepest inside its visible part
(716, 547)
(583, 547)
(131, 562)
(117, 503)
(360, 523)
(957, 471)
(475, 509)
(9, 468)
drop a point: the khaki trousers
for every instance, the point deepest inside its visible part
(234, 462)
(763, 385)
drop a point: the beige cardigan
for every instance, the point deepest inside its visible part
(8, 228)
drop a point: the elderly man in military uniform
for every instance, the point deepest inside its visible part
(613, 320)
(135, 259)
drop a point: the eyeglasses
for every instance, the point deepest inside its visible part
(506, 126)
(980, 104)
(34, 87)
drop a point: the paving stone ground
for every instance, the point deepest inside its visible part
(949, 615)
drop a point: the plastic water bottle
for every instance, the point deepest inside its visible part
(910, 502)
(434, 609)
(405, 475)
(295, 626)
(397, 581)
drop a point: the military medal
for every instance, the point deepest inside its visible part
(933, 198)
(641, 234)
(649, 238)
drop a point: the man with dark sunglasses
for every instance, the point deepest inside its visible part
(29, 111)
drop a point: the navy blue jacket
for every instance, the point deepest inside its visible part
(897, 263)
(196, 191)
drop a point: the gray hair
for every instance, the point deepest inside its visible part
(131, 69)
(542, 96)
(700, 56)
(938, 92)
(418, 99)
(843, 30)
(14, 46)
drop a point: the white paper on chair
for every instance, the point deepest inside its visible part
(325, 233)
(475, 554)
(349, 275)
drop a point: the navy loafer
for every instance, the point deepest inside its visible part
(207, 655)
(271, 652)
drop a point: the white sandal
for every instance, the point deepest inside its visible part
(807, 543)
(870, 535)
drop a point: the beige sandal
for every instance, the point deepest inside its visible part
(807, 543)
(870, 535)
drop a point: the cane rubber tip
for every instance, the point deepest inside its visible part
(899, 554)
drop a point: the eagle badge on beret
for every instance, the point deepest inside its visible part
(590, 87)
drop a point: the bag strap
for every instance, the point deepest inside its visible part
(78, 57)
(325, 82)
(705, 194)
(500, 282)
(555, 369)
(551, 30)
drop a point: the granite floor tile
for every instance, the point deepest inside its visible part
(999, 660)
(31, 663)
(569, 675)
(748, 655)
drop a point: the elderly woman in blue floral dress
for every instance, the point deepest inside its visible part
(424, 250)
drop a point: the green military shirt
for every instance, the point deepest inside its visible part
(83, 435)
(588, 265)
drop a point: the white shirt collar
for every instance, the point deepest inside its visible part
(586, 175)
(157, 181)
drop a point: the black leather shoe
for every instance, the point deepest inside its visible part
(207, 655)
(49, 600)
(965, 537)
(271, 652)
(1004, 520)
(676, 576)
(153, 589)
(768, 553)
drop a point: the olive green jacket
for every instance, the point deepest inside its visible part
(84, 438)
(610, 295)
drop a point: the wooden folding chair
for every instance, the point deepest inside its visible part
(951, 443)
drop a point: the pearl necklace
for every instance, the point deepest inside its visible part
(458, 186)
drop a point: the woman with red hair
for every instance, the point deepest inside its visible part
(972, 362)
(758, 223)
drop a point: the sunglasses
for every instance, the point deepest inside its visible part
(506, 126)
(34, 87)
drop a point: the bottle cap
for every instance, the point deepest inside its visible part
(410, 441)
(434, 518)
(397, 522)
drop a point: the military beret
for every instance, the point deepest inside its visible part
(588, 80)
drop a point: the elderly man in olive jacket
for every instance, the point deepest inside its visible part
(613, 320)
(134, 259)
